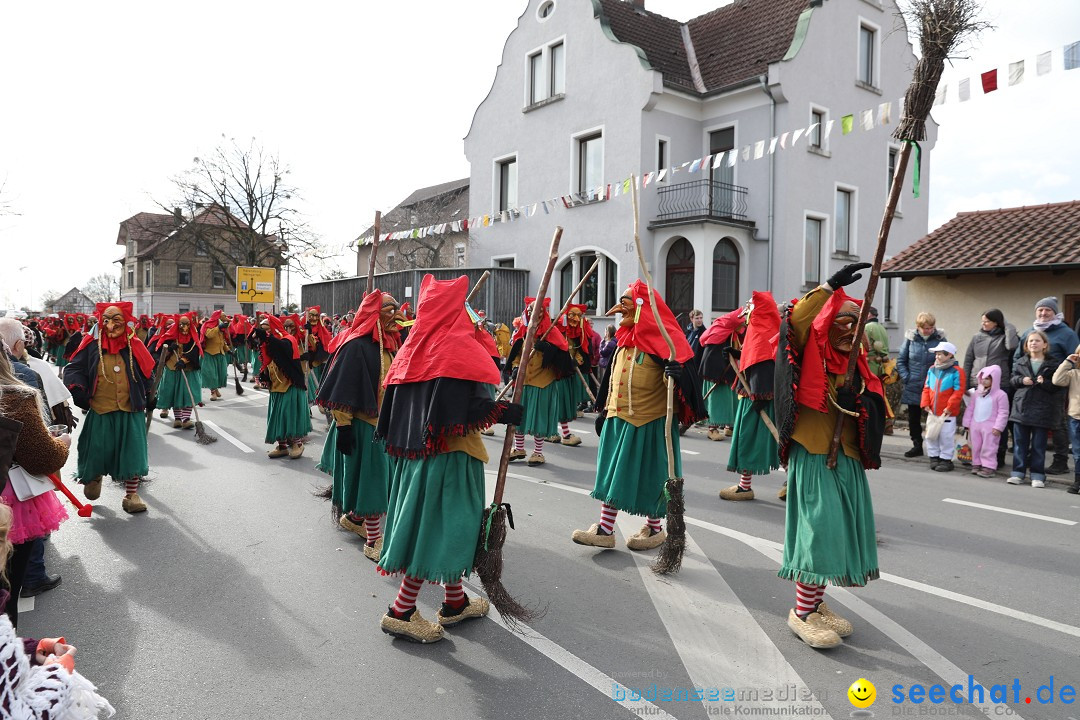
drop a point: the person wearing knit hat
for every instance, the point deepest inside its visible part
(829, 530)
(352, 391)
(439, 395)
(753, 447)
(109, 377)
(181, 380)
(1050, 320)
(215, 360)
(543, 398)
(288, 419)
(631, 464)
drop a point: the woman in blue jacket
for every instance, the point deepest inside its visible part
(912, 364)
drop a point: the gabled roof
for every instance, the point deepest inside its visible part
(1037, 237)
(150, 230)
(733, 44)
(146, 226)
(445, 202)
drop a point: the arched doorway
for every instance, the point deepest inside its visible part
(725, 276)
(679, 294)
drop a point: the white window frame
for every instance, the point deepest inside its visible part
(822, 149)
(191, 276)
(875, 57)
(391, 260)
(705, 148)
(496, 182)
(574, 257)
(131, 276)
(511, 256)
(183, 307)
(853, 224)
(213, 278)
(575, 156)
(545, 78)
(550, 60)
(460, 255)
(656, 156)
(826, 228)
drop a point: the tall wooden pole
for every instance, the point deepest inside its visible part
(374, 251)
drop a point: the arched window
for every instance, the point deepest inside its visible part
(725, 276)
(679, 291)
(600, 291)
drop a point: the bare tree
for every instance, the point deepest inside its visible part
(49, 298)
(335, 274)
(237, 207)
(102, 288)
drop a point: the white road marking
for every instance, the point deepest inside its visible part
(26, 605)
(688, 452)
(570, 662)
(227, 436)
(713, 632)
(1010, 511)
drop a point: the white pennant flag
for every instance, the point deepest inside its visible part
(795, 137)
(718, 159)
(1042, 63)
(885, 113)
(746, 154)
(866, 119)
(646, 179)
(772, 145)
(661, 175)
(783, 141)
(965, 89)
(1016, 72)
(828, 129)
(759, 149)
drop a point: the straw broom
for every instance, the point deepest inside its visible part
(941, 26)
(201, 436)
(488, 561)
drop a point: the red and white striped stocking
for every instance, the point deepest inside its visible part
(406, 597)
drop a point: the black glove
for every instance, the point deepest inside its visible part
(673, 369)
(260, 334)
(845, 398)
(600, 418)
(80, 397)
(847, 275)
(180, 365)
(151, 402)
(759, 406)
(513, 375)
(513, 414)
(345, 439)
(730, 352)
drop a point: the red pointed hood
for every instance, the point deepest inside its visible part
(546, 330)
(129, 338)
(645, 333)
(172, 333)
(722, 328)
(442, 343)
(277, 329)
(762, 331)
(365, 323)
(210, 322)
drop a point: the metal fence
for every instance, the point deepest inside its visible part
(501, 297)
(702, 199)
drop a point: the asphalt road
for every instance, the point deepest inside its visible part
(236, 596)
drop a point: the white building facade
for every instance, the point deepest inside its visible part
(591, 91)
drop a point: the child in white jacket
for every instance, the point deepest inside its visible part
(985, 418)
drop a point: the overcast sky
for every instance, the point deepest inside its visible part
(103, 103)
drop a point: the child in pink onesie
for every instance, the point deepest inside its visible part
(985, 418)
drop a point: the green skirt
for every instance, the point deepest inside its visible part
(361, 480)
(215, 371)
(433, 520)
(287, 416)
(753, 447)
(829, 535)
(173, 393)
(256, 362)
(113, 444)
(330, 460)
(720, 404)
(631, 466)
(243, 354)
(61, 361)
(312, 387)
(542, 408)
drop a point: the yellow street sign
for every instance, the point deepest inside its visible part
(255, 284)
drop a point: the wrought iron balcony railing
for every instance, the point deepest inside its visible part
(702, 199)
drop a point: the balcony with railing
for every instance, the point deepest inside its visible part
(701, 200)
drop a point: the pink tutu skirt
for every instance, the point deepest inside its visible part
(37, 517)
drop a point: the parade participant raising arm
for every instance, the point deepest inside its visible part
(829, 534)
(109, 378)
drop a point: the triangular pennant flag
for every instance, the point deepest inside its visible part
(705, 161)
(885, 113)
(661, 175)
(1016, 72)
(1072, 56)
(772, 145)
(732, 157)
(645, 179)
(1042, 63)
(795, 137)
(783, 140)
(695, 166)
(618, 189)
(683, 166)
(846, 124)
(718, 158)
(746, 154)
(965, 89)
(828, 129)
(564, 202)
(487, 220)
(502, 216)
(866, 119)
(534, 208)
(544, 204)
(759, 149)
(989, 81)
(939, 97)
(626, 186)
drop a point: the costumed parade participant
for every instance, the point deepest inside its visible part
(439, 394)
(577, 333)
(753, 447)
(352, 390)
(316, 350)
(829, 533)
(287, 418)
(108, 378)
(631, 463)
(214, 369)
(725, 332)
(543, 399)
(181, 382)
(239, 329)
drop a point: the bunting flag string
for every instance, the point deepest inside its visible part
(864, 120)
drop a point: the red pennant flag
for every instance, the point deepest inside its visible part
(989, 81)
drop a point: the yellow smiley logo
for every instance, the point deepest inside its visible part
(862, 693)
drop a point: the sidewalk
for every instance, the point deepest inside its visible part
(894, 446)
